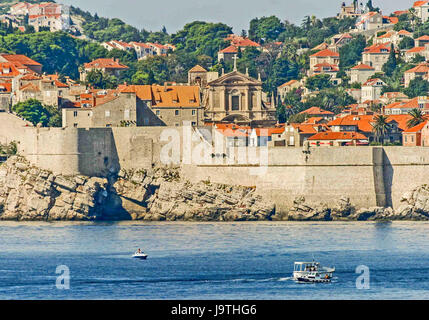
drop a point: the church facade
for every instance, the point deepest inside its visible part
(236, 98)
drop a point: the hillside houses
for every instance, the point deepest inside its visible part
(421, 9)
(324, 62)
(376, 55)
(143, 50)
(108, 66)
(49, 15)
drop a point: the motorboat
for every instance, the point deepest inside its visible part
(140, 255)
(312, 272)
(313, 278)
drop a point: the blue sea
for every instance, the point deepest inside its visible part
(212, 260)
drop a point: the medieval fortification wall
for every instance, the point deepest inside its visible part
(369, 176)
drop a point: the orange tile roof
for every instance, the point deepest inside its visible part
(326, 53)
(378, 48)
(316, 111)
(421, 68)
(105, 64)
(166, 96)
(288, 83)
(8, 70)
(419, 3)
(338, 136)
(416, 49)
(362, 122)
(372, 82)
(320, 67)
(416, 128)
(198, 68)
(404, 32)
(363, 67)
(20, 58)
(425, 38)
(6, 86)
(230, 49)
(393, 20)
(30, 87)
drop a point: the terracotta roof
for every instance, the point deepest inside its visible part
(378, 48)
(309, 128)
(321, 67)
(419, 3)
(166, 96)
(393, 20)
(30, 76)
(386, 35)
(239, 41)
(8, 69)
(373, 82)
(20, 58)
(105, 64)
(326, 53)
(316, 111)
(421, 68)
(30, 87)
(288, 83)
(338, 136)
(404, 32)
(230, 49)
(6, 87)
(425, 38)
(417, 128)
(198, 68)
(416, 49)
(362, 122)
(363, 67)
(391, 95)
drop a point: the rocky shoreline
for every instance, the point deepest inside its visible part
(28, 193)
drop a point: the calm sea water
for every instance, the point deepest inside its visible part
(211, 260)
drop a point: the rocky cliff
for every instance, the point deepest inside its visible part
(29, 193)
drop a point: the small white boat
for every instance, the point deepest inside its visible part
(140, 255)
(312, 272)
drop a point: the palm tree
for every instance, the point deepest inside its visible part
(380, 127)
(416, 118)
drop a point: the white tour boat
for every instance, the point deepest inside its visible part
(140, 255)
(312, 272)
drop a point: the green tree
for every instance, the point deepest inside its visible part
(417, 87)
(319, 82)
(33, 111)
(406, 43)
(265, 29)
(351, 53)
(390, 66)
(380, 127)
(98, 79)
(417, 117)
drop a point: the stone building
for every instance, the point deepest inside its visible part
(236, 97)
(114, 110)
(108, 66)
(198, 76)
(361, 73)
(325, 61)
(422, 10)
(168, 105)
(376, 55)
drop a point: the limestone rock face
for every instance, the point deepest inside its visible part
(414, 205)
(31, 194)
(28, 193)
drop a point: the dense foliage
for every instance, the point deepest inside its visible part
(35, 112)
